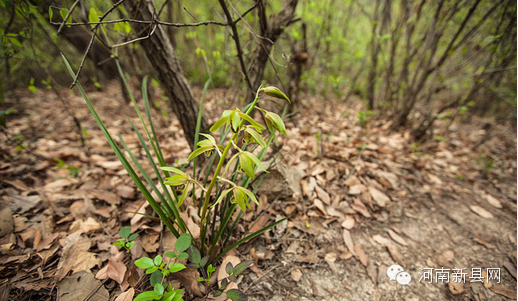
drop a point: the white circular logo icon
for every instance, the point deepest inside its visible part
(393, 270)
(403, 278)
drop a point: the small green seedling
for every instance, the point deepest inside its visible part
(158, 268)
(233, 272)
(74, 171)
(128, 239)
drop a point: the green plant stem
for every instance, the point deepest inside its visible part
(215, 177)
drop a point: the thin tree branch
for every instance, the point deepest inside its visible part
(70, 11)
(210, 22)
(137, 39)
(235, 36)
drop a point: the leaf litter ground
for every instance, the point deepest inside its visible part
(359, 199)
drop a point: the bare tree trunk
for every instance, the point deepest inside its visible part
(374, 45)
(160, 53)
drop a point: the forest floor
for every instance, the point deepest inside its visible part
(368, 199)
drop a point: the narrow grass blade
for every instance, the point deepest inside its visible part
(171, 207)
(121, 156)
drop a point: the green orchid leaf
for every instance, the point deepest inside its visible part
(255, 160)
(184, 195)
(172, 169)
(247, 164)
(199, 151)
(255, 136)
(219, 124)
(177, 180)
(249, 194)
(275, 92)
(223, 194)
(252, 122)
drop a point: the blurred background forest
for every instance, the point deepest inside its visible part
(411, 61)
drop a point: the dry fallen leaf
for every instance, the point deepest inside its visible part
(362, 257)
(330, 258)
(484, 243)
(446, 257)
(352, 181)
(127, 295)
(126, 192)
(296, 275)
(89, 225)
(348, 223)
(396, 237)
(394, 253)
(75, 256)
(372, 271)
(348, 241)
(356, 189)
(318, 203)
(481, 211)
(79, 286)
(493, 202)
(323, 195)
(379, 197)
(381, 240)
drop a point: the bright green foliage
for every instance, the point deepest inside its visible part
(127, 241)
(159, 268)
(74, 171)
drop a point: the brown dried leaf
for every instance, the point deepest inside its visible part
(320, 206)
(446, 257)
(381, 240)
(493, 202)
(481, 211)
(349, 241)
(330, 258)
(323, 195)
(84, 226)
(296, 275)
(75, 256)
(348, 223)
(107, 196)
(379, 197)
(127, 295)
(360, 255)
(394, 253)
(356, 189)
(396, 237)
(372, 271)
(79, 286)
(116, 270)
(352, 181)
(484, 243)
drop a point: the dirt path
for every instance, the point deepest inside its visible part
(368, 200)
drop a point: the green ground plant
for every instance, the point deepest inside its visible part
(217, 195)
